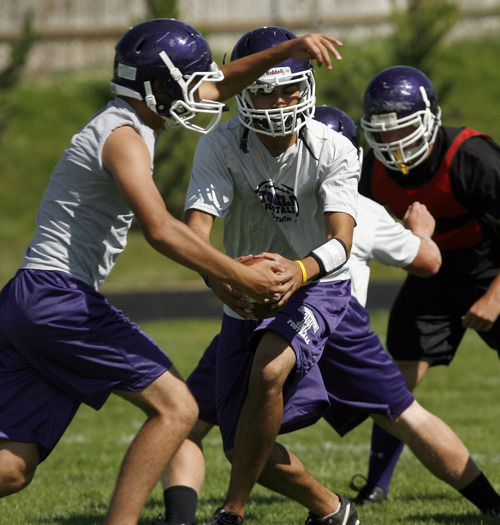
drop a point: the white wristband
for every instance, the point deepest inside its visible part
(330, 256)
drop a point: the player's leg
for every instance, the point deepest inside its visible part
(441, 451)
(285, 474)
(422, 332)
(18, 462)
(260, 418)
(171, 412)
(434, 443)
(183, 478)
(386, 448)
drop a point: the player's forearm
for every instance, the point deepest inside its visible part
(428, 259)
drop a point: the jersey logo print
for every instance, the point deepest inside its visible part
(308, 323)
(279, 201)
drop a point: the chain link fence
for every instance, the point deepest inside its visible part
(81, 34)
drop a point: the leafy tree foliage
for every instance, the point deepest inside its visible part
(11, 74)
(163, 8)
(19, 53)
(417, 40)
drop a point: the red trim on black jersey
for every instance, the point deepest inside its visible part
(455, 227)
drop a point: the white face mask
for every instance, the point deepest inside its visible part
(187, 112)
(405, 153)
(278, 121)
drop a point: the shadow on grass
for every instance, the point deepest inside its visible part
(95, 516)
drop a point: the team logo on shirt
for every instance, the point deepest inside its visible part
(308, 323)
(279, 200)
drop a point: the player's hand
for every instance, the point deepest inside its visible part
(316, 46)
(231, 296)
(419, 220)
(482, 314)
(292, 268)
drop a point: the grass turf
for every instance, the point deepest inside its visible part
(73, 486)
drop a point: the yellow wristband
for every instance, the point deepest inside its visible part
(304, 273)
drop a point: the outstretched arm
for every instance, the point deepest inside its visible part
(242, 72)
(127, 158)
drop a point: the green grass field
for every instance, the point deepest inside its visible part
(73, 486)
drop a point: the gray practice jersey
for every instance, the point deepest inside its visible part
(83, 221)
(274, 204)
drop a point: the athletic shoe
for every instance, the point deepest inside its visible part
(367, 495)
(347, 515)
(225, 517)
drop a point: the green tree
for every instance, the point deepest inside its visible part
(419, 31)
(10, 76)
(417, 40)
(163, 8)
(19, 52)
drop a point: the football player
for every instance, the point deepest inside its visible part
(61, 343)
(259, 180)
(455, 172)
(376, 237)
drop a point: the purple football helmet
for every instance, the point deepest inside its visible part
(339, 121)
(342, 123)
(163, 62)
(275, 121)
(396, 98)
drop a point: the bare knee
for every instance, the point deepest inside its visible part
(273, 362)
(167, 398)
(407, 424)
(182, 409)
(18, 462)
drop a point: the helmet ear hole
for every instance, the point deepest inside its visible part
(159, 86)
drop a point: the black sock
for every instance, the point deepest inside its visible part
(482, 494)
(180, 505)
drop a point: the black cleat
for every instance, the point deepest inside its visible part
(367, 495)
(347, 515)
(225, 517)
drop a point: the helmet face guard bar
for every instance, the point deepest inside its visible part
(184, 111)
(278, 121)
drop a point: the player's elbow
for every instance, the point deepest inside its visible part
(425, 266)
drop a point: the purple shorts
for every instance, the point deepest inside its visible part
(307, 320)
(359, 375)
(62, 344)
(345, 377)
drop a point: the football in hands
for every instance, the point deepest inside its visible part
(260, 310)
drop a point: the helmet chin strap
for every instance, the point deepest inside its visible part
(149, 99)
(402, 166)
(169, 123)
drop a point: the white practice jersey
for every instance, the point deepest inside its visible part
(378, 237)
(274, 204)
(83, 220)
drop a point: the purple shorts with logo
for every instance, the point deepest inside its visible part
(310, 316)
(343, 373)
(62, 344)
